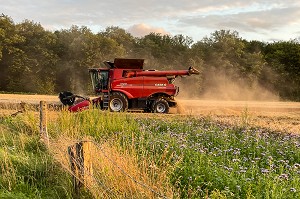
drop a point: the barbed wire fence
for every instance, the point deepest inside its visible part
(78, 162)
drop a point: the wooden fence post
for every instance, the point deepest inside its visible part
(75, 157)
(43, 121)
(81, 165)
(87, 164)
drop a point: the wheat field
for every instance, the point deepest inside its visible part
(275, 115)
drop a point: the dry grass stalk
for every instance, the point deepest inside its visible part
(117, 174)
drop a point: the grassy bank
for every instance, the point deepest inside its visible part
(27, 168)
(149, 156)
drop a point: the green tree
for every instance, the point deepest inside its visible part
(35, 60)
(284, 58)
(227, 60)
(72, 50)
(79, 49)
(10, 55)
(124, 40)
(39, 58)
(26, 57)
(164, 51)
(227, 51)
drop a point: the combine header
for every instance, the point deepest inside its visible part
(124, 85)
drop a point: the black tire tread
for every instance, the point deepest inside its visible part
(157, 101)
(122, 97)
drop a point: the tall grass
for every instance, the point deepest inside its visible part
(150, 156)
(200, 158)
(118, 171)
(27, 170)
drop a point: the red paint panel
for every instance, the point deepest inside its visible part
(134, 86)
(80, 106)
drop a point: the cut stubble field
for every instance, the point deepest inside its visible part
(275, 115)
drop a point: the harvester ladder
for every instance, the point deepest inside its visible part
(105, 100)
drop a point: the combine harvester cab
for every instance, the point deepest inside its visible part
(125, 85)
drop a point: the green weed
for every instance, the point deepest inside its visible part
(27, 170)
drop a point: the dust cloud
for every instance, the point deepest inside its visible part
(221, 86)
(180, 108)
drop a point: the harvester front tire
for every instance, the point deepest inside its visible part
(160, 106)
(118, 102)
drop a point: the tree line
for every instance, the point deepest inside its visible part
(35, 60)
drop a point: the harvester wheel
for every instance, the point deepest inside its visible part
(118, 102)
(160, 106)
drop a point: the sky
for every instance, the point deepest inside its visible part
(261, 20)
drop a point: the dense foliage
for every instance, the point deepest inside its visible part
(35, 60)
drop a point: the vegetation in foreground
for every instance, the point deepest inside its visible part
(199, 158)
(27, 169)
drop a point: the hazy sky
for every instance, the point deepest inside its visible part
(262, 20)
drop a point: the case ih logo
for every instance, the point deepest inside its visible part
(160, 84)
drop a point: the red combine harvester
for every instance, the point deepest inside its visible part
(124, 85)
